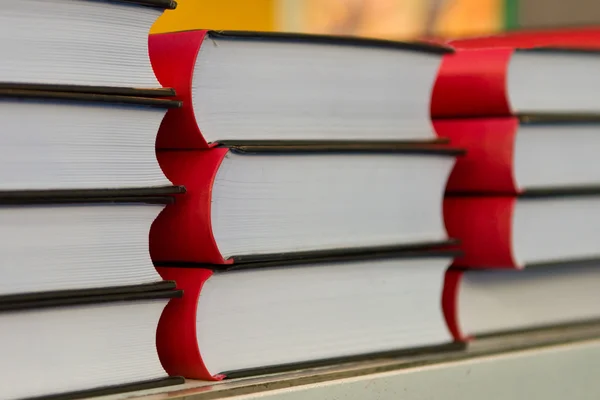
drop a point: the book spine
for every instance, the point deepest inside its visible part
(173, 57)
(450, 303)
(484, 227)
(472, 83)
(183, 231)
(488, 163)
(176, 339)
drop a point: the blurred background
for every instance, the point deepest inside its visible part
(389, 19)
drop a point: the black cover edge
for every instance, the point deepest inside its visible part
(437, 147)
(570, 262)
(331, 39)
(556, 119)
(86, 200)
(87, 300)
(541, 328)
(109, 291)
(530, 118)
(104, 90)
(162, 4)
(538, 193)
(425, 350)
(104, 391)
(423, 250)
(145, 195)
(401, 143)
(578, 262)
(560, 49)
(85, 97)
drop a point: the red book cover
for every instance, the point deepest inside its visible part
(176, 57)
(450, 303)
(488, 164)
(184, 351)
(173, 57)
(176, 339)
(581, 37)
(194, 228)
(472, 83)
(183, 231)
(504, 81)
(484, 227)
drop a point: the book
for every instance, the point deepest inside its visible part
(526, 230)
(505, 81)
(78, 141)
(253, 203)
(491, 302)
(85, 346)
(61, 247)
(275, 86)
(59, 44)
(276, 316)
(524, 154)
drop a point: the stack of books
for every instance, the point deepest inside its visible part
(79, 188)
(525, 200)
(312, 224)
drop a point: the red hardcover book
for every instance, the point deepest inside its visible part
(243, 205)
(275, 316)
(515, 232)
(503, 82)
(249, 86)
(516, 155)
(582, 37)
(484, 302)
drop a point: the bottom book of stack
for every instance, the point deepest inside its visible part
(256, 318)
(82, 346)
(482, 302)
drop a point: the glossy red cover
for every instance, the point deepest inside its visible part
(176, 339)
(450, 303)
(472, 83)
(581, 37)
(488, 164)
(183, 231)
(173, 57)
(484, 227)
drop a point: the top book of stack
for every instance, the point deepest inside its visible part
(92, 46)
(241, 87)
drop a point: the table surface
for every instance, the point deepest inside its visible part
(557, 363)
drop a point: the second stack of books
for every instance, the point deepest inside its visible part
(313, 213)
